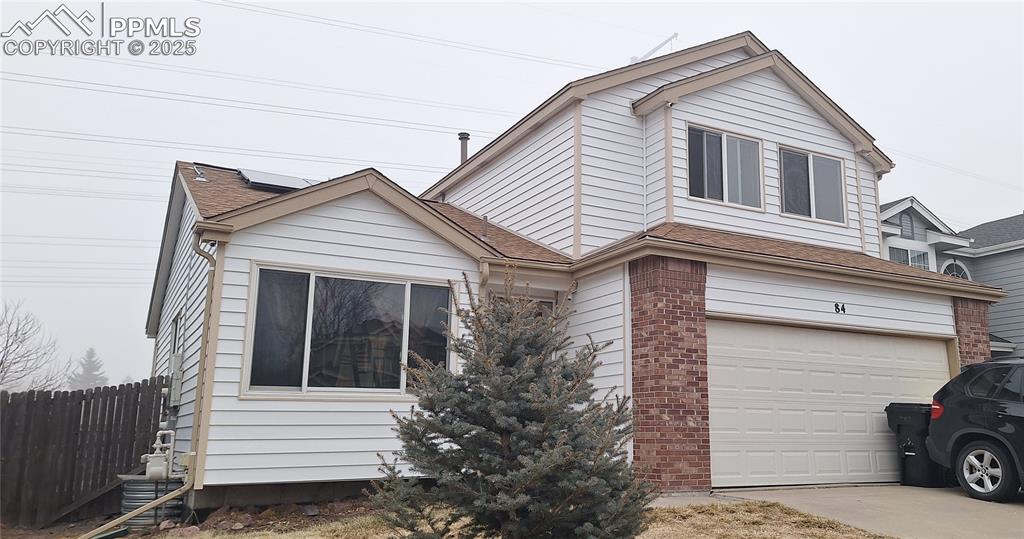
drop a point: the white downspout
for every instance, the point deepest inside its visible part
(190, 478)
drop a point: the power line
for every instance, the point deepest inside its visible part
(378, 30)
(228, 75)
(64, 174)
(48, 159)
(77, 244)
(76, 169)
(230, 150)
(8, 261)
(240, 104)
(78, 193)
(951, 168)
(77, 286)
(90, 238)
(91, 156)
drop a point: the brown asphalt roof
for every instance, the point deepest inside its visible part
(732, 241)
(506, 242)
(220, 190)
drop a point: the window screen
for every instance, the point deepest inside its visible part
(899, 255)
(279, 334)
(713, 165)
(744, 172)
(919, 259)
(695, 158)
(356, 337)
(828, 189)
(796, 194)
(428, 314)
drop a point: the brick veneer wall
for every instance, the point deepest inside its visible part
(671, 444)
(971, 319)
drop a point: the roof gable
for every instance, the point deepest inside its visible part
(577, 90)
(891, 209)
(291, 202)
(862, 140)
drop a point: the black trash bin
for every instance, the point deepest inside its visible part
(910, 423)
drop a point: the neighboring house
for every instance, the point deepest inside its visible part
(718, 212)
(991, 253)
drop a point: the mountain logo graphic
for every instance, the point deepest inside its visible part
(53, 16)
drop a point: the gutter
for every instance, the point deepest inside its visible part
(651, 245)
(190, 477)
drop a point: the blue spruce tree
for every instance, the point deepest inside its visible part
(517, 444)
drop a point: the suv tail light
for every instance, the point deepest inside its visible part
(937, 409)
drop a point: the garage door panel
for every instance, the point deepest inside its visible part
(806, 406)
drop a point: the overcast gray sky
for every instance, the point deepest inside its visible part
(87, 158)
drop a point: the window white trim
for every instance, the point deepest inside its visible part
(952, 261)
(725, 133)
(810, 186)
(328, 393)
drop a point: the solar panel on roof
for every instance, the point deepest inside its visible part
(276, 181)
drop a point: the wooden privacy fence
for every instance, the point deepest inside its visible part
(61, 451)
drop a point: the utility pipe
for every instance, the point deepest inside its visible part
(190, 478)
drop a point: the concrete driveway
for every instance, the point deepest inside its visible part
(906, 512)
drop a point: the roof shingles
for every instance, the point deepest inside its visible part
(996, 232)
(792, 250)
(219, 190)
(506, 242)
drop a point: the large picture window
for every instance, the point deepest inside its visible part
(812, 186)
(724, 167)
(314, 331)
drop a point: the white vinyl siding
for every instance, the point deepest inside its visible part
(598, 311)
(185, 296)
(869, 207)
(762, 106)
(802, 299)
(654, 154)
(529, 188)
(266, 441)
(613, 148)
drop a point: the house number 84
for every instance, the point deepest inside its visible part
(841, 308)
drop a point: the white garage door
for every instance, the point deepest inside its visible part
(800, 406)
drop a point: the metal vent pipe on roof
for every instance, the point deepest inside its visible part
(463, 146)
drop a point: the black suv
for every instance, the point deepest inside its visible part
(977, 428)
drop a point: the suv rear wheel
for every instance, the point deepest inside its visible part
(985, 471)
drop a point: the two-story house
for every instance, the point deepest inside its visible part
(720, 216)
(991, 253)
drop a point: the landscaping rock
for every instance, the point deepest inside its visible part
(237, 526)
(310, 510)
(168, 524)
(189, 531)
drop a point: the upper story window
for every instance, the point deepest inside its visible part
(812, 186)
(319, 331)
(909, 257)
(956, 269)
(906, 226)
(724, 167)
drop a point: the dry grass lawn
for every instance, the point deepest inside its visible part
(719, 520)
